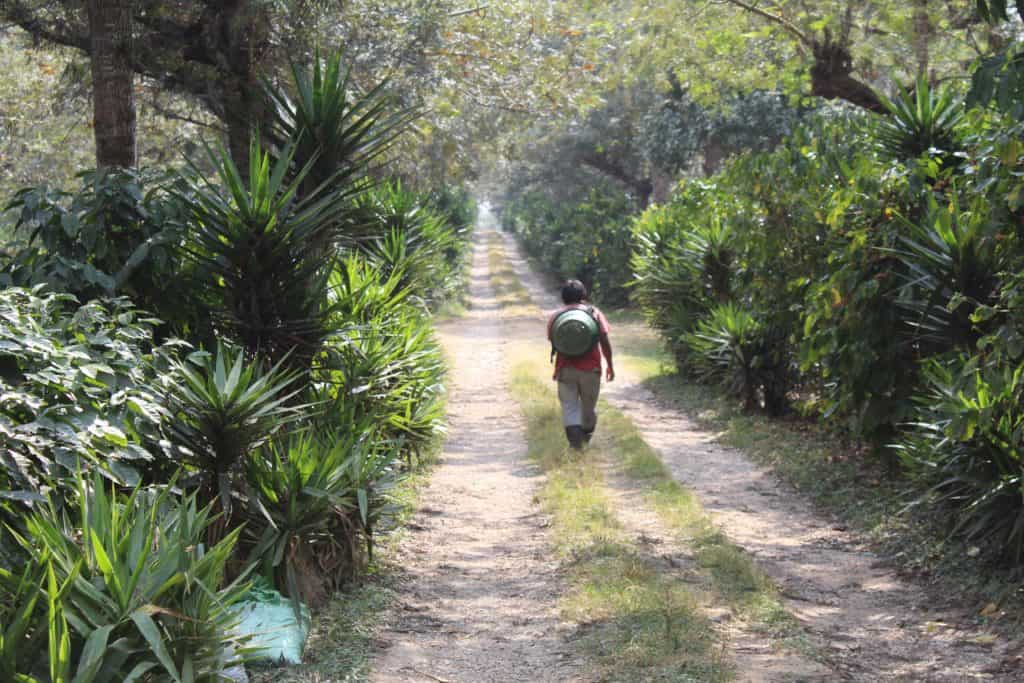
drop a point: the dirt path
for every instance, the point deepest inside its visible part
(479, 589)
(870, 624)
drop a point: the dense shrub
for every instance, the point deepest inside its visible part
(76, 384)
(683, 261)
(140, 594)
(588, 240)
(870, 270)
(116, 235)
(414, 240)
(139, 479)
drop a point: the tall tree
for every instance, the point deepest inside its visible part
(113, 96)
(209, 49)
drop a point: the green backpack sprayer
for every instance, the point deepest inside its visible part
(574, 332)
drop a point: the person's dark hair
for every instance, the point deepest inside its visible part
(573, 292)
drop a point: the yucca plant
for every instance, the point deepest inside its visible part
(927, 119)
(140, 592)
(953, 262)
(731, 347)
(708, 250)
(360, 293)
(339, 131)
(307, 509)
(966, 447)
(221, 407)
(724, 348)
(257, 252)
(415, 241)
(666, 283)
(390, 369)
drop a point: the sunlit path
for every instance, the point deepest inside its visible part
(479, 589)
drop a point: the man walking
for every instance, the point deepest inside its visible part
(579, 376)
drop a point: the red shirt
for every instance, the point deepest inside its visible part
(592, 359)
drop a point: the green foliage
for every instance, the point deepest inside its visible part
(220, 407)
(312, 493)
(587, 240)
(927, 121)
(258, 256)
(336, 133)
(384, 364)
(117, 235)
(76, 386)
(952, 262)
(413, 240)
(683, 261)
(731, 347)
(138, 596)
(965, 447)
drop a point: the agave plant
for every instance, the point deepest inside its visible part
(733, 348)
(966, 446)
(360, 293)
(134, 593)
(340, 133)
(921, 121)
(311, 500)
(391, 370)
(221, 408)
(953, 263)
(257, 252)
(415, 241)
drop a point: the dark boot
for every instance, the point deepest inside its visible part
(587, 435)
(575, 436)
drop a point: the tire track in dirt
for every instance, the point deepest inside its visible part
(871, 624)
(478, 590)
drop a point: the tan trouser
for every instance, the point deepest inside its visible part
(577, 392)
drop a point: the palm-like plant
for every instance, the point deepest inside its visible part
(360, 293)
(966, 445)
(731, 347)
(415, 240)
(725, 348)
(925, 120)
(309, 504)
(952, 259)
(134, 593)
(336, 131)
(221, 408)
(257, 252)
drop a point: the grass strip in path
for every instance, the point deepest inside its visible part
(637, 621)
(735, 578)
(826, 468)
(512, 296)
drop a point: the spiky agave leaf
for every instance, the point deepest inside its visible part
(927, 119)
(222, 407)
(257, 249)
(133, 589)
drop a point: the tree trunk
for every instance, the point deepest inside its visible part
(113, 97)
(244, 31)
(922, 36)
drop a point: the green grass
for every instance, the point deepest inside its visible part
(823, 465)
(511, 294)
(735, 578)
(636, 621)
